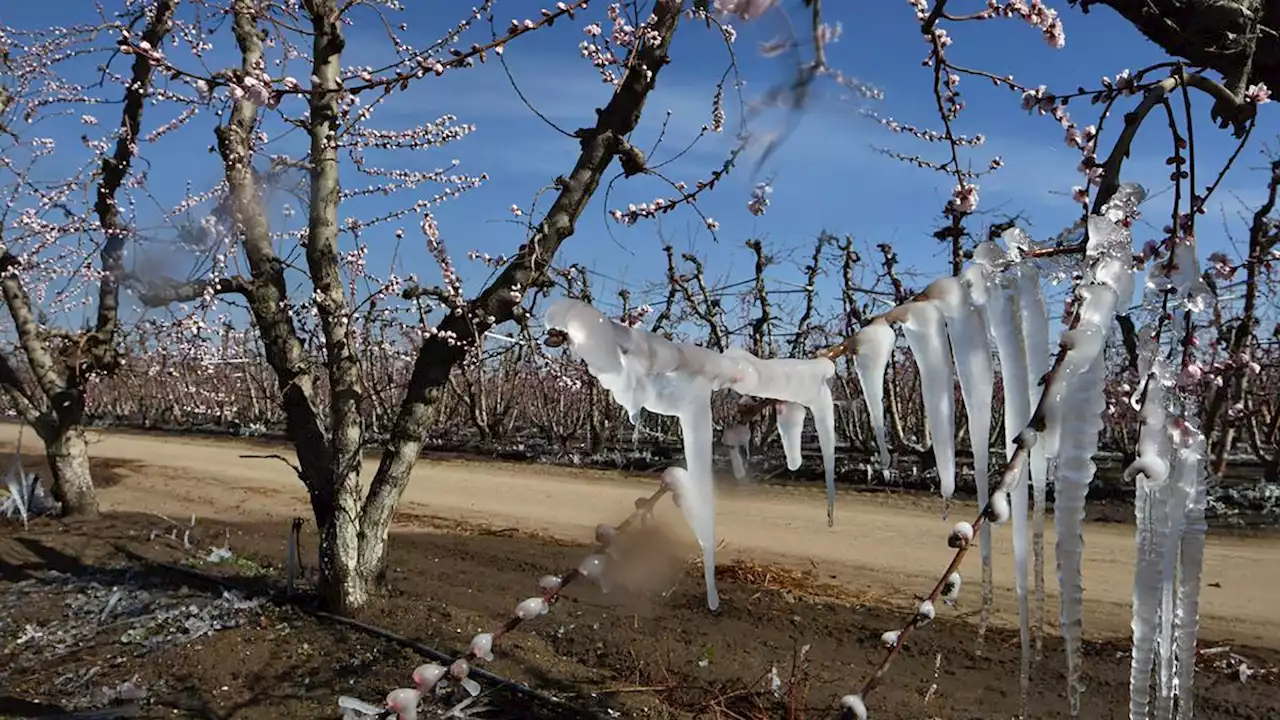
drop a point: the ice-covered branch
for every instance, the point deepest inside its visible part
(1066, 419)
(431, 678)
(644, 371)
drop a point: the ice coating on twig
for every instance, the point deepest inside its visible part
(646, 371)
(874, 344)
(356, 709)
(926, 334)
(800, 384)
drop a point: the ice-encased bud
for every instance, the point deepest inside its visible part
(592, 566)
(606, 534)
(675, 480)
(531, 608)
(404, 703)
(998, 510)
(482, 646)
(550, 583)
(461, 670)
(961, 535)
(925, 612)
(855, 705)
(891, 638)
(951, 588)
(427, 676)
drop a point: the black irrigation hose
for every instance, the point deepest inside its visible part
(425, 651)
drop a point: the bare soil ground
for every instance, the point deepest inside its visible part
(472, 538)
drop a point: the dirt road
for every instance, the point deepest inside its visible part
(881, 546)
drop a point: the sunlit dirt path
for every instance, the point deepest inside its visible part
(886, 547)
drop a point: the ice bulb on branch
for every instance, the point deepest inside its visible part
(428, 675)
(592, 566)
(404, 703)
(926, 612)
(999, 510)
(961, 535)
(605, 535)
(951, 588)
(532, 608)
(854, 706)
(482, 646)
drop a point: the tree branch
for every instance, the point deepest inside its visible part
(166, 292)
(1217, 34)
(496, 304)
(268, 294)
(100, 346)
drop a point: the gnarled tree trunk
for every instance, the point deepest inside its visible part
(67, 451)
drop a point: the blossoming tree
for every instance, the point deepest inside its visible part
(63, 234)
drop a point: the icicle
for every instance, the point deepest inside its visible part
(1195, 475)
(925, 332)
(874, 345)
(1081, 423)
(800, 384)
(962, 303)
(1076, 403)
(1035, 333)
(1150, 473)
(1006, 327)
(738, 440)
(790, 426)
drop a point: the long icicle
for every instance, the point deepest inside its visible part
(962, 302)
(926, 334)
(1150, 475)
(1035, 332)
(1004, 327)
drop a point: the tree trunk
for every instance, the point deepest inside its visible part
(68, 455)
(347, 578)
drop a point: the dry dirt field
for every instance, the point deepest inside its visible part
(472, 537)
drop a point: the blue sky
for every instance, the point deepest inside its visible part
(829, 175)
